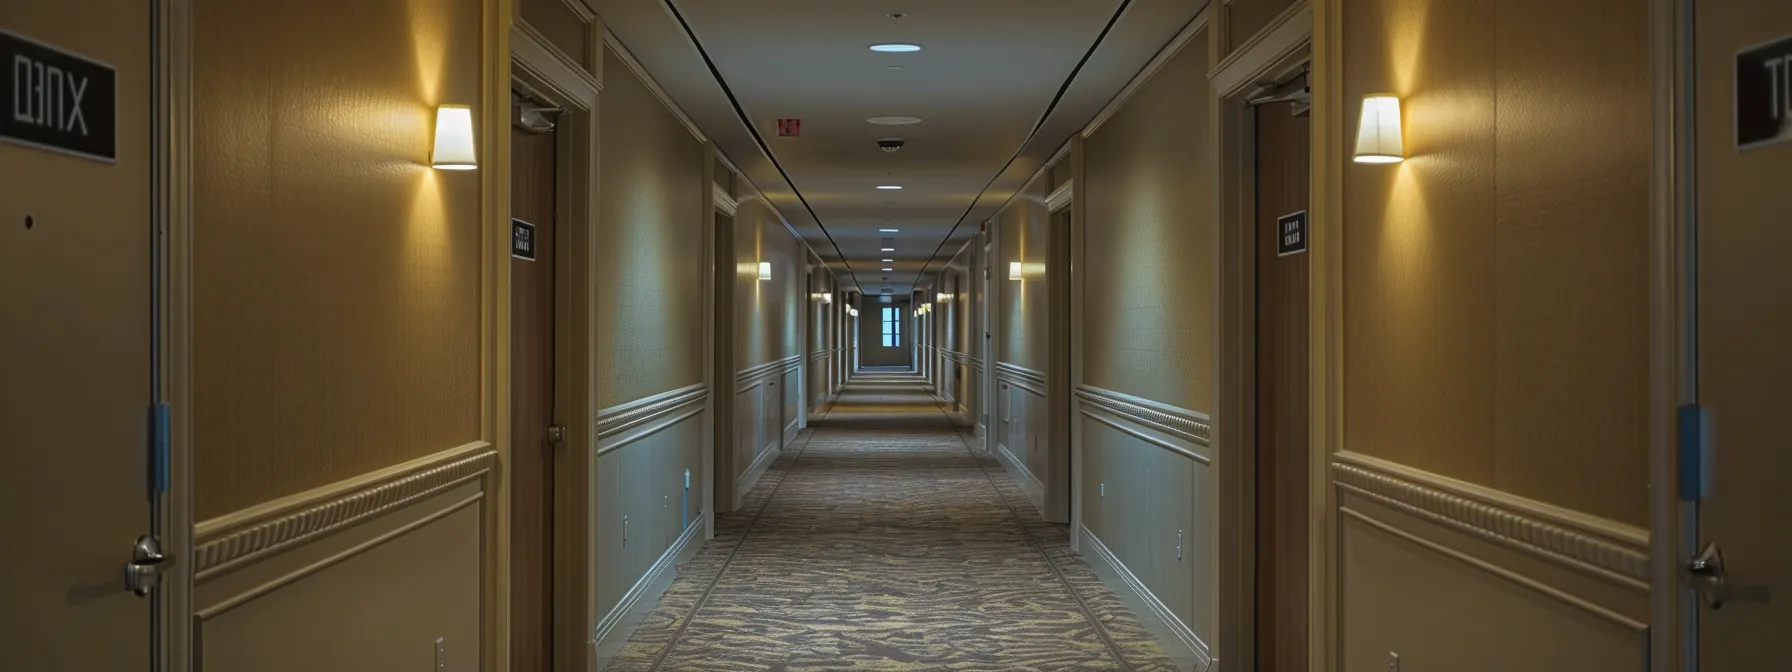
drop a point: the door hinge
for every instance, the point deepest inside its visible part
(158, 449)
(1692, 455)
(556, 435)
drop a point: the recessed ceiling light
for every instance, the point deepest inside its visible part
(886, 260)
(894, 121)
(893, 68)
(889, 230)
(895, 48)
(889, 187)
(888, 270)
(888, 249)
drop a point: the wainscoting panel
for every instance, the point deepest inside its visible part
(365, 574)
(1147, 527)
(765, 412)
(1021, 427)
(648, 473)
(1549, 588)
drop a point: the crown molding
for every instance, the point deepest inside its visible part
(1157, 63)
(634, 66)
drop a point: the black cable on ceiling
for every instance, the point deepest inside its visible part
(1062, 89)
(758, 139)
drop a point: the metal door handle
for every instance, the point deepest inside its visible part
(144, 572)
(1705, 572)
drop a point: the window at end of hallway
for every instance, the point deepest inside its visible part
(892, 327)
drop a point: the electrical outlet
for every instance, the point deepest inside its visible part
(625, 530)
(1102, 491)
(441, 654)
(1179, 547)
(665, 501)
(1393, 661)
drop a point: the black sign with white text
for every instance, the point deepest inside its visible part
(1764, 94)
(58, 101)
(522, 240)
(1291, 234)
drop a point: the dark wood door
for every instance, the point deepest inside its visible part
(532, 405)
(1281, 526)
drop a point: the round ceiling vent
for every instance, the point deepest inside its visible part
(894, 121)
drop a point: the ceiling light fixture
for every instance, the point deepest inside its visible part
(887, 249)
(890, 187)
(886, 270)
(895, 48)
(894, 121)
(889, 230)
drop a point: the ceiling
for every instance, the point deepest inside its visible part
(999, 86)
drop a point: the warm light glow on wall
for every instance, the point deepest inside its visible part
(454, 139)
(1378, 137)
(765, 270)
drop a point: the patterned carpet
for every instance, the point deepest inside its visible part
(883, 540)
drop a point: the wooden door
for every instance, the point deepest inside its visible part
(77, 325)
(1281, 308)
(1744, 325)
(532, 200)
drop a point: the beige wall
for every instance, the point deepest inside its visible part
(1149, 244)
(336, 276)
(1495, 282)
(768, 313)
(649, 312)
(1022, 309)
(1495, 338)
(650, 276)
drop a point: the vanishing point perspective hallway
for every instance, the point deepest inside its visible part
(883, 539)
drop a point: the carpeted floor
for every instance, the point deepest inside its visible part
(883, 540)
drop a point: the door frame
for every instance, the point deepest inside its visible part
(1673, 343)
(173, 211)
(566, 83)
(1283, 47)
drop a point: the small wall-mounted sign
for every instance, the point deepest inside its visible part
(58, 101)
(522, 240)
(1764, 94)
(790, 128)
(1291, 234)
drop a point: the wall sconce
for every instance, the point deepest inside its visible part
(454, 139)
(1378, 138)
(1017, 270)
(827, 297)
(765, 270)
(1013, 270)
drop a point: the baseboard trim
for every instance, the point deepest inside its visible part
(614, 630)
(750, 477)
(1028, 483)
(1187, 649)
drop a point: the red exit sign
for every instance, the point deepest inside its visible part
(788, 128)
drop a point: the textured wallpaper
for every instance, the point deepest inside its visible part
(336, 276)
(650, 276)
(1149, 242)
(767, 313)
(1023, 308)
(1496, 295)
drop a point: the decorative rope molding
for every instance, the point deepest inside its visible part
(1584, 548)
(618, 418)
(218, 550)
(1181, 422)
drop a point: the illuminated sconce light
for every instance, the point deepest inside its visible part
(765, 270)
(1378, 138)
(454, 139)
(1013, 270)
